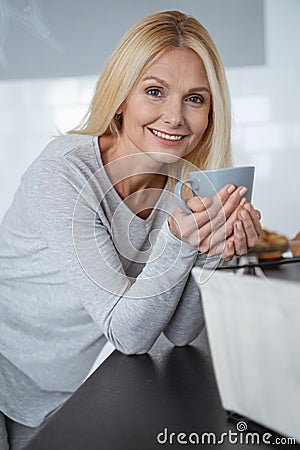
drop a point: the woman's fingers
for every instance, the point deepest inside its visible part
(201, 218)
(221, 213)
(224, 194)
(199, 204)
(224, 204)
(231, 198)
(231, 220)
(229, 250)
(240, 239)
(255, 216)
(221, 227)
(251, 227)
(246, 230)
(225, 248)
(221, 206)
(189, 227)
(250, 219)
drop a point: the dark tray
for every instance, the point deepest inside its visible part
(259, 263)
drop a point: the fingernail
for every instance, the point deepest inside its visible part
(238, 225)
(243, 201)
(244, 214)
(248, 206)
(230, 244)
(231, 189)
(258, 215)
(243, 191)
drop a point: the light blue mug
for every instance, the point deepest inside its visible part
(207, 183)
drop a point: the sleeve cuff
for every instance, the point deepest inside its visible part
(185, 247)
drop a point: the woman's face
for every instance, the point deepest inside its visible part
(167, 111)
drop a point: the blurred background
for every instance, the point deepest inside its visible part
(51, 54)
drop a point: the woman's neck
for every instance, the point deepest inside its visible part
(130, 173)
(137, 178)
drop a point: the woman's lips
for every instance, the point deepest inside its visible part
(166, 137)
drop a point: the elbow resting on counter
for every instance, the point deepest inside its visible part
(181, 341)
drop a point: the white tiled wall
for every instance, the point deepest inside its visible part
(31, 112)
(266, 132)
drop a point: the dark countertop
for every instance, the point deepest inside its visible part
(129, 400)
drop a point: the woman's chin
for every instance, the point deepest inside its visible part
(164, 158)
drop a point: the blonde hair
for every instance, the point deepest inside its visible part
(144, 42)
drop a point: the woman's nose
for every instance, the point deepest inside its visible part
(173, 114)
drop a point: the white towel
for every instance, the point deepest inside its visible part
(254, 335)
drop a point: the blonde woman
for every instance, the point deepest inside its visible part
(93, 248)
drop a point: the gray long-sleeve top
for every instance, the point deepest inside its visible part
(78, 268)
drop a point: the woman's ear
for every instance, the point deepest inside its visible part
(118, 119)
(121, 108)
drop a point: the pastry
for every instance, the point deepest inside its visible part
(271, 245)
(295, 245)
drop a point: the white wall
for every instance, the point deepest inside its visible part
(266, 129)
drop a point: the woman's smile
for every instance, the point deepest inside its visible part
(167, 138)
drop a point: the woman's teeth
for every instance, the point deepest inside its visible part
(169, 137)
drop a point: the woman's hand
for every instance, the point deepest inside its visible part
(224, 225)
(246, 231)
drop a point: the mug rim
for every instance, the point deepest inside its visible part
(223, 169)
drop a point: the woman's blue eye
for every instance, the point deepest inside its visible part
(154, 92)
(196, 99)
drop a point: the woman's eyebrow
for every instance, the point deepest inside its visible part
(164, 83)
(199, 89)
(159, 80)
